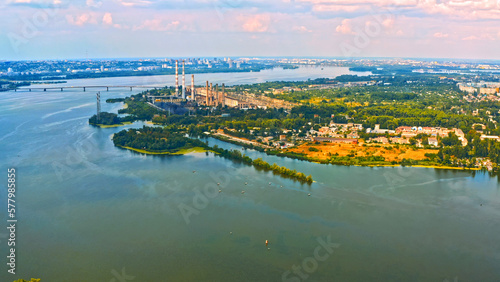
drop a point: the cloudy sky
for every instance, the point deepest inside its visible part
(60, 29)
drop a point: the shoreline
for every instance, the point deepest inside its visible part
(112, 125)
(234, 139)
(179, 153)
(255, 146)
(424, 166)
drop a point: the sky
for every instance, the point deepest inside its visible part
(79, 29)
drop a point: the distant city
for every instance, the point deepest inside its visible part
(91, 68)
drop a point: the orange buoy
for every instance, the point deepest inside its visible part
(267, 243)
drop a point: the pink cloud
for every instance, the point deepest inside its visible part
(158, 25)
(107, 19)
(441, 35)
(135, 3)
(388, 23)
(301, 29)
(484, 36)
(337, 8)
(257, 23)
(86, 18)
(345, 27)
(463, 9)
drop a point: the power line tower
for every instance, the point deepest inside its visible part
(98, 106)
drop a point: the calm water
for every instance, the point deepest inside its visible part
(91, 212)
(277, 74)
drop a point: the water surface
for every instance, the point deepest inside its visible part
(88, 211)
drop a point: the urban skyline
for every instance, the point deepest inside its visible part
(58, 29)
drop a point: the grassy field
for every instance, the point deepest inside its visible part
(389, 152)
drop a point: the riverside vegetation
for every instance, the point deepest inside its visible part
(171, 140)
(393, 101)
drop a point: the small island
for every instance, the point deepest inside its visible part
(158, 141)
(168, 141)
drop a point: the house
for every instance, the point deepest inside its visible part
(324, 130)
(382, 140)
(433, 141)
(408, 135)
(403, 129)
(496, 138)
(397, 140)
(267, 139)
(380, 131)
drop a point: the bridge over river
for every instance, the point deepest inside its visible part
(85, 88)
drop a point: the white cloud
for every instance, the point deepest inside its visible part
(345, 27)
(458, 9)
(85, 18)
(256, 23)
(484, 36)
(158, 25)
(441, 35)
(107, 19)
(301, 29)
(93, 4)
(134, 3)
(388, 23)
(472, 37)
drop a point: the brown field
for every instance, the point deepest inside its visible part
(389, 152)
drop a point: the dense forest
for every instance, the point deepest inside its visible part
(105, 118)
(156, 139)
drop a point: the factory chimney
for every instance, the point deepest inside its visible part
(207, 94)
(223, 95)
(183, 80)
(192, 88)
(217, 98)
(211, 94)
(176, 78)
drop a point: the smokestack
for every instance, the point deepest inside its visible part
(176, 78)
(183, 80)
(223, 95)
(217, 98)
(192, 87)
(207, 94)
(211, 94)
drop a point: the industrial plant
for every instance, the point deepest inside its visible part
(187, 98)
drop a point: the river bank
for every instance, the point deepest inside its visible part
(180, 152)
(349, 161)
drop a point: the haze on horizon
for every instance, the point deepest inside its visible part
(63, 29)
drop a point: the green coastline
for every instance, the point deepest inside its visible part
(180, 152)
(112, 125)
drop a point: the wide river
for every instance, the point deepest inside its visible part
(88, 211)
